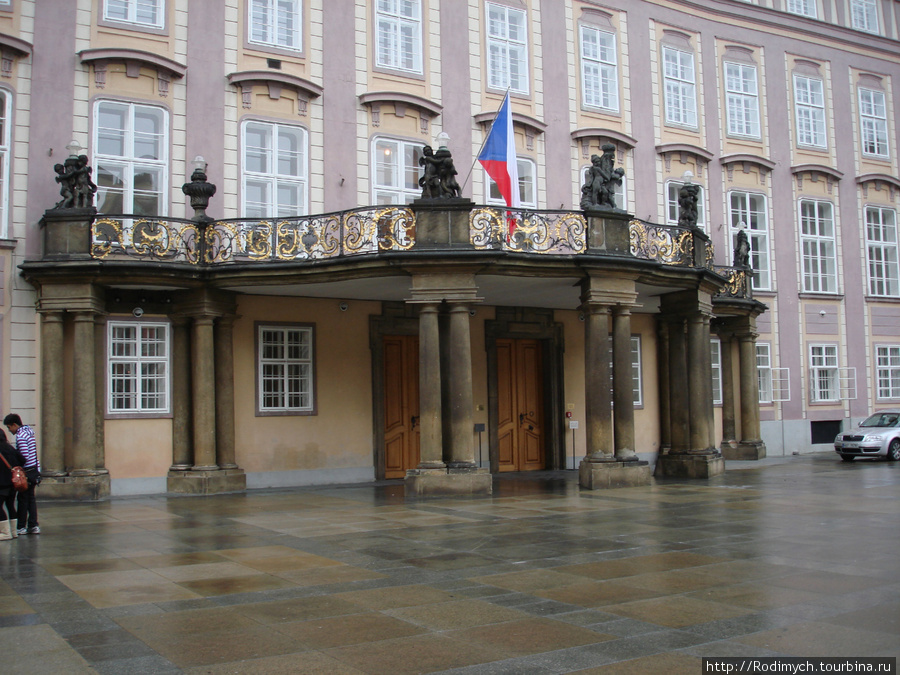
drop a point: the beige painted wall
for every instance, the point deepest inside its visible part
(340, 435)
(138, 448)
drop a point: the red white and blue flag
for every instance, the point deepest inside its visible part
(498, 156)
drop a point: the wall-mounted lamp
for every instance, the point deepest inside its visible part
(137, 312)
(343, 306)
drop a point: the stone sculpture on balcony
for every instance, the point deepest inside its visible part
(741, 250)
(438, 180)
(76, 187)
(688, 212)
(599, 189)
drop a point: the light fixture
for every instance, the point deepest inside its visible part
(199, 164)
(343, 306)
(687, 177)
(442, 140)
(74, 148)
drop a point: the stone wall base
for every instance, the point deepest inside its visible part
(447, 482)
(206, 482)
(603, 475)
(745, 450)
(83, 488)
(678, 465)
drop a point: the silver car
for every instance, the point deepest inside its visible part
(877, 436)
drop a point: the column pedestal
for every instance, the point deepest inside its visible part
(687, 465)
(205, 482)
(606, 474)
(744, 450)
(82, 488)
(447, 482)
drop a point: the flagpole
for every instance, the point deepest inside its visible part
(477, 154)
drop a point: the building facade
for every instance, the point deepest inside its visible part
(300, 338)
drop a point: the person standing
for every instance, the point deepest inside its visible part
(25, 444)
(12, 457)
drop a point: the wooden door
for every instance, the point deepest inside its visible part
(520, 419)
(401, 404)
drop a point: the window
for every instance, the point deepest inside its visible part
(507, 54)
(715, 350)
(285, 379)
(680, 87)
(748, 211)
(888, 371)
(809, 104)
(873, 122)
(399, 26)
(881, 251)
(131, 158)
(275, 184)
(527, 186)
(802, 7)
(147, 13)
(673, 211)
(742, 100)
(276, 23)
(764, 371)
(637, 393)
(138, 370)
(817, 243)
(864, 15)
(599, 75)
(823, 373)
(5, 135)
(396, 171)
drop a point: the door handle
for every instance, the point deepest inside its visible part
(413, 421)
(521, 417)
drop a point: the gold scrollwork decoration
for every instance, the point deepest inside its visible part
(220, 238)
(190, 237)
(486, 227)
(360, 231)
(685, 249)
(396, 229)
(571, 230)
(258, 240)
(150, 237)
(105, 235)
(288, 240)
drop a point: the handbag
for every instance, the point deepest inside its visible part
(19, 479)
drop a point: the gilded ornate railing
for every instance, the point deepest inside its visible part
(737, 281)
(561, 232)
(154, 238)
(668, 244)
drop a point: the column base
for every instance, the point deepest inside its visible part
(93, 487)
(220, 481)
(447, 482)
(613, 474)
(745, 450)
(685, 465)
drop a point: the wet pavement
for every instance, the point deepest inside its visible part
(797, 556)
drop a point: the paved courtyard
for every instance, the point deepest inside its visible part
(792, 556)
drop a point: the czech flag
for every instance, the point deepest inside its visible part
(498, 157)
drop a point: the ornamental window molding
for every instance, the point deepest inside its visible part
(133, 59)
(275, 83)
(401, 102)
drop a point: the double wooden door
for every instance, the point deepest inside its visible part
(401, 404)
(520, 405)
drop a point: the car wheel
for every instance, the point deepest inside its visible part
(847, 458)
(893, 453)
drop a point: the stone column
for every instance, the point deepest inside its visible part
(728, 416)
(462, 447)
(699, 383)
(623, 397)
(665, 408)
(84, 397)
(430, 428)
(679, 408)
(749, 390)
(182, 414)
(53, 461)
(598, 400)
(203, 384)
(100, 368)
(224, 368)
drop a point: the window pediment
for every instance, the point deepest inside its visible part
(585, 135)
(134, 60)
(12, 48)
(427, 109)
(681, 152)
(275, 82)
(531, 125)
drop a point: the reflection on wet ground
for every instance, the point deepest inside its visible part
(793, 557)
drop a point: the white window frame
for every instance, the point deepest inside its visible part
(818, 246)
(278, 368)
(764, 371)
(275, 23)
(824, 374)
(887, 372)
(637, 387)
(599, 69)
(673, 210)
(809, 111)
(756, 223)
(405, 186)
(715, 358)
(273, 182)
(132, 10)
(802, 8)
(680, 87)
(506, 51)
(398, 43)
(864, 15)
(527, 169)
(742, 99)
(129, 164)
(5, 138)
(882, 260)
(131, 362)
(873, 126)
